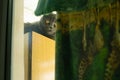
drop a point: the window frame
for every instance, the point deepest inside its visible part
(5, 38)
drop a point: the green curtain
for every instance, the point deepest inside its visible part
(87, 38)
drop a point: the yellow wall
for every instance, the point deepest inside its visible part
(43, 57)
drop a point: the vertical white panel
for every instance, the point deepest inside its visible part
(17, 64)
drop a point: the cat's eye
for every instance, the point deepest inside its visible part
(54, 25)
(47, 22)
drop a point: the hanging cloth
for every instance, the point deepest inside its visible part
(84, 38)
(47, 6)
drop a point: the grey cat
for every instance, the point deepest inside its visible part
(46, 26)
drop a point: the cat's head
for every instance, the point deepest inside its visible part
(48, 23)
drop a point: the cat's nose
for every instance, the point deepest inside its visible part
(50, 27)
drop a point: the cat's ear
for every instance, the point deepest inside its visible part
(55, 15)
(52, 15)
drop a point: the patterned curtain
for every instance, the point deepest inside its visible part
(88, 41)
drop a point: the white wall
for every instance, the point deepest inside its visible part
(29, 8)
(17, 64)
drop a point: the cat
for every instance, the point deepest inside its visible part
(46, 26)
